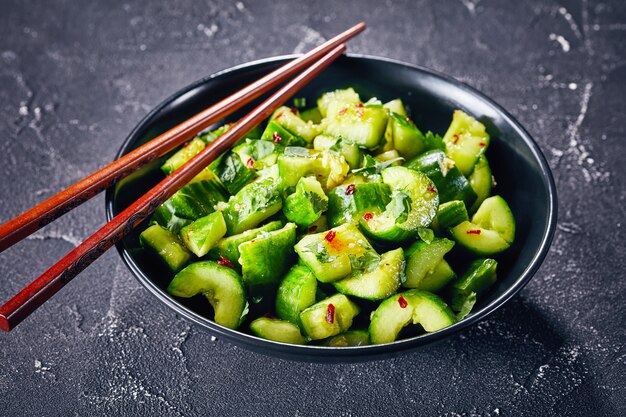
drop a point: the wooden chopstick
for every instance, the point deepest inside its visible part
(51, 281)
(35, 218)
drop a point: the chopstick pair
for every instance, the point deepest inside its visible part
(41, 289)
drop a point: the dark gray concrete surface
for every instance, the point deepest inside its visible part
(75, 78)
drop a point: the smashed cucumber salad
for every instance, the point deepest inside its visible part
(338, 225)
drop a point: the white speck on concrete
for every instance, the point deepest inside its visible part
(561, 40)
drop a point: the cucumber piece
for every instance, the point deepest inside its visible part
(350, 151)
(210, 136)
(184, 154)
(396, 106)
(277, 330)
(201, 235)
(263, 153)
(191, 202)
(166, 246)
(233, 172)
(422, 258)
(221, 285)
(328, 317)
(481, 181)
(228, 247)
(451, 213)
(329, 169)
(378, 283)
(349, 338)
(311, 115)
(252, 204)
(491, 231)
(405, 136)
(416, 306)
(267, 257)
(359, 124)
(306, 205)
(438, 278)
(330, 103)
(465, 140)
(275, 132)
(348, 203)
(424, 200)
(478, 278)
(295, 293)
(335, 254)
(286, 117)
(385, 226)
(450, 182)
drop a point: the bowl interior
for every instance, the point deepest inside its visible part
(523, 177)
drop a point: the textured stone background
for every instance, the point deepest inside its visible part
(75, 77)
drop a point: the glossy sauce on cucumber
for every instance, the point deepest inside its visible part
(339, 225)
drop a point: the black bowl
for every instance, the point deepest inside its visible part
(523, 175)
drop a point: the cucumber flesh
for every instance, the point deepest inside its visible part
(336, 253)
(296, 292)
(481, 181)
(183, 155)
(378, 283)
(348, 203)
(358, 124)
(330, 103)
(423, 258)
(166, 246)
(405, 136)
(306, 205)
(414, 306)
(465, 140)
(495, 214)
(294, 124)
(202, 235)
(221, 286)
(329, 317)
(396, 106)
(254, 203)
(275, 132)
(277, 330)
(438, 278)
(311, 115)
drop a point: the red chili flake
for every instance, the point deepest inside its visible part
(350, 189)
(359, 112)
(431, 188)
(408, 119)
(186, 144)
(312, 229)
(225, 262)
(250, 163)
(276, 137)
(482, 144)
(330, 236)
(359, 105)
(343, 111)
(456, 139)
(473, 232)
(330, 314)
(368, 216)
(279, 115)
(403, 303)
(294, 110)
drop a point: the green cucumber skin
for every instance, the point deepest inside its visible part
(495, 214)
(311, 115)
(253, 204)
(306, 205)
(221, 285)
(451, 214)
(406, 137)
(232, 172)
(228, 247)
(376, 284)
(421, 307)
(346, 207)
(465, 140)
(191, 202)
(290, 120)
(296, 292)
(396, 106)
(166, 246)
(451, 186)
(423, 258)
(277, 330)
(267, 257)
(275, 132)
(183, 155)
(479, 277)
